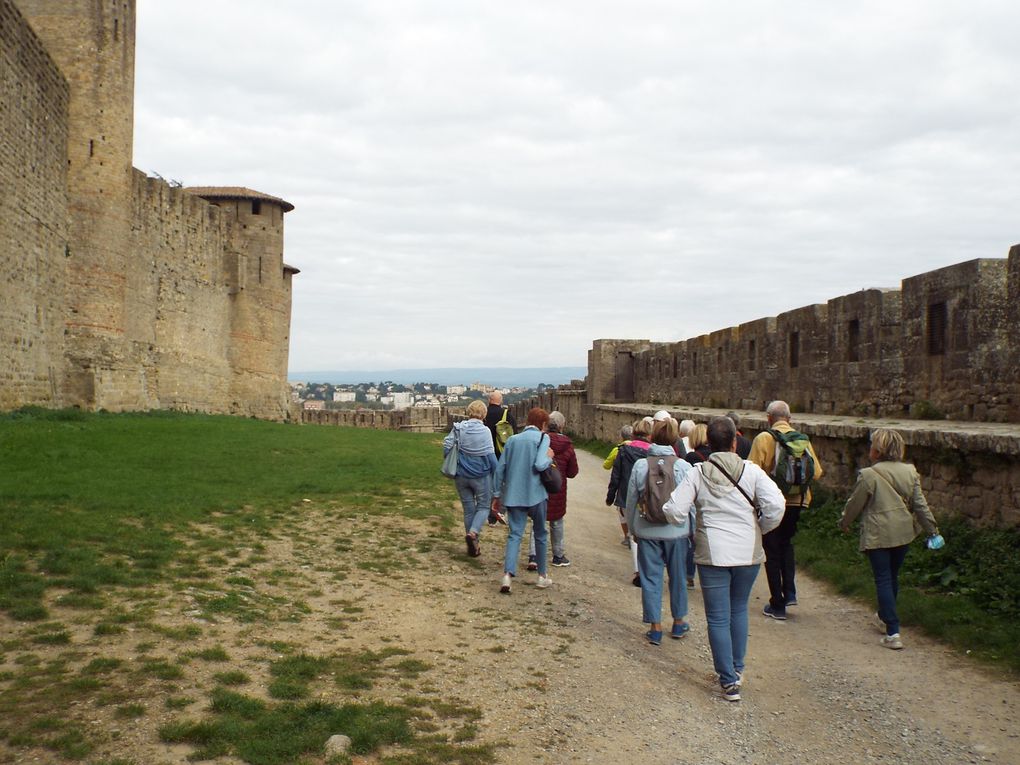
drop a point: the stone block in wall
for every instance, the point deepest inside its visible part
(611, 369)
(802, 349)
(955, 339)
(865, 364)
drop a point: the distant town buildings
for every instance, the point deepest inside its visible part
(392, 396)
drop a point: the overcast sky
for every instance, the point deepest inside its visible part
(498, 184)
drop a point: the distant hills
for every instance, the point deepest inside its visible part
(500, 377)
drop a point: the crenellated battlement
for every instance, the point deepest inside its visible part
(944, 345)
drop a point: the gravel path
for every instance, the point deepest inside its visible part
(565, 676)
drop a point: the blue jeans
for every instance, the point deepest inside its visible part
(690, 568)
(726, 590)
(885, 565)
(475, 496)
(517, 519)
(555, 538)
(653, 556)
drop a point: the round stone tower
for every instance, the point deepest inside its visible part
(93, 44)
(260, 289)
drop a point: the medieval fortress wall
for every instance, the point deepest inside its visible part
(944, 345)
(121, 291)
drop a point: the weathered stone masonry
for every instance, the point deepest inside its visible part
(947, 342)
(120, 291)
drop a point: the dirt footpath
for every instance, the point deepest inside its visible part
(565, 676)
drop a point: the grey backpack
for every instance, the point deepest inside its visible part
(658, 487)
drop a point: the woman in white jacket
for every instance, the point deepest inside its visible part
(736, 502)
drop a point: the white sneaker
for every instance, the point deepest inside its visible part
(893, 641)
(505, 584)
(543, 582)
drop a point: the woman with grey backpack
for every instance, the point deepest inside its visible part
(660, 545)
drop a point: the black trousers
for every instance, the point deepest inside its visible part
(780, 561)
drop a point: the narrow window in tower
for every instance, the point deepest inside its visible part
(260, 269)
(116, 29)
(853, 340)
(694, 362)
(794, 350)
(92, 148)
(936, 329)
(256, 207)
(751, 354)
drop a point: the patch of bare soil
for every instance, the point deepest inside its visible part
(561, 675)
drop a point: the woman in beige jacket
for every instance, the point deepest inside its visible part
(892, 508)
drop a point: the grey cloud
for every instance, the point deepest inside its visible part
(636, 157)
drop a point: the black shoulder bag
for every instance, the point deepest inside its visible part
(757, 510)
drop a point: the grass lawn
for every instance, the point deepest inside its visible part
(107, 519)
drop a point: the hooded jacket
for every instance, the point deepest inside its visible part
(729, 529)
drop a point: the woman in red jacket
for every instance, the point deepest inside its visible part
(566, 463)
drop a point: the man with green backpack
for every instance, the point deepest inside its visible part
(502, 424)
(787, 456)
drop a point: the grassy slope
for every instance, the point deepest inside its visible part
(97, 504)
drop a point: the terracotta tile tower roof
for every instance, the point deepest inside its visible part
(236, 192)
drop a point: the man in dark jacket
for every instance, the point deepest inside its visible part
(493, 415)
(743, 443)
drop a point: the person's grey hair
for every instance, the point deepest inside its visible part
(496, 397)
(643, 427)
(556, 421)
(721, 432)
(778, 410)
(888, 444)
(735, 417)
(686, 427)
(626, 432)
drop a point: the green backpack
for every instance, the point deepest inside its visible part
(503, 429)
(795, 466)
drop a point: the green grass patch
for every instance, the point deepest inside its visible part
(275, 734)
(94, 501)
(967, 594)
(232, 678)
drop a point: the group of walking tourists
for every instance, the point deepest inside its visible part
(693, 500)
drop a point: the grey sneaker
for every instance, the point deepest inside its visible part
(504, 586)
(892, 641)
(731, 692)
(774, 614)
(543, 582)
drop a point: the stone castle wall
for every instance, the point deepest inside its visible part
(967, 469)
(429, 420)
(122, 291)
(33, 223)
(945, 344)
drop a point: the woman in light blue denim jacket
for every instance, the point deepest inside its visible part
(517, 487)
(476, 462)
